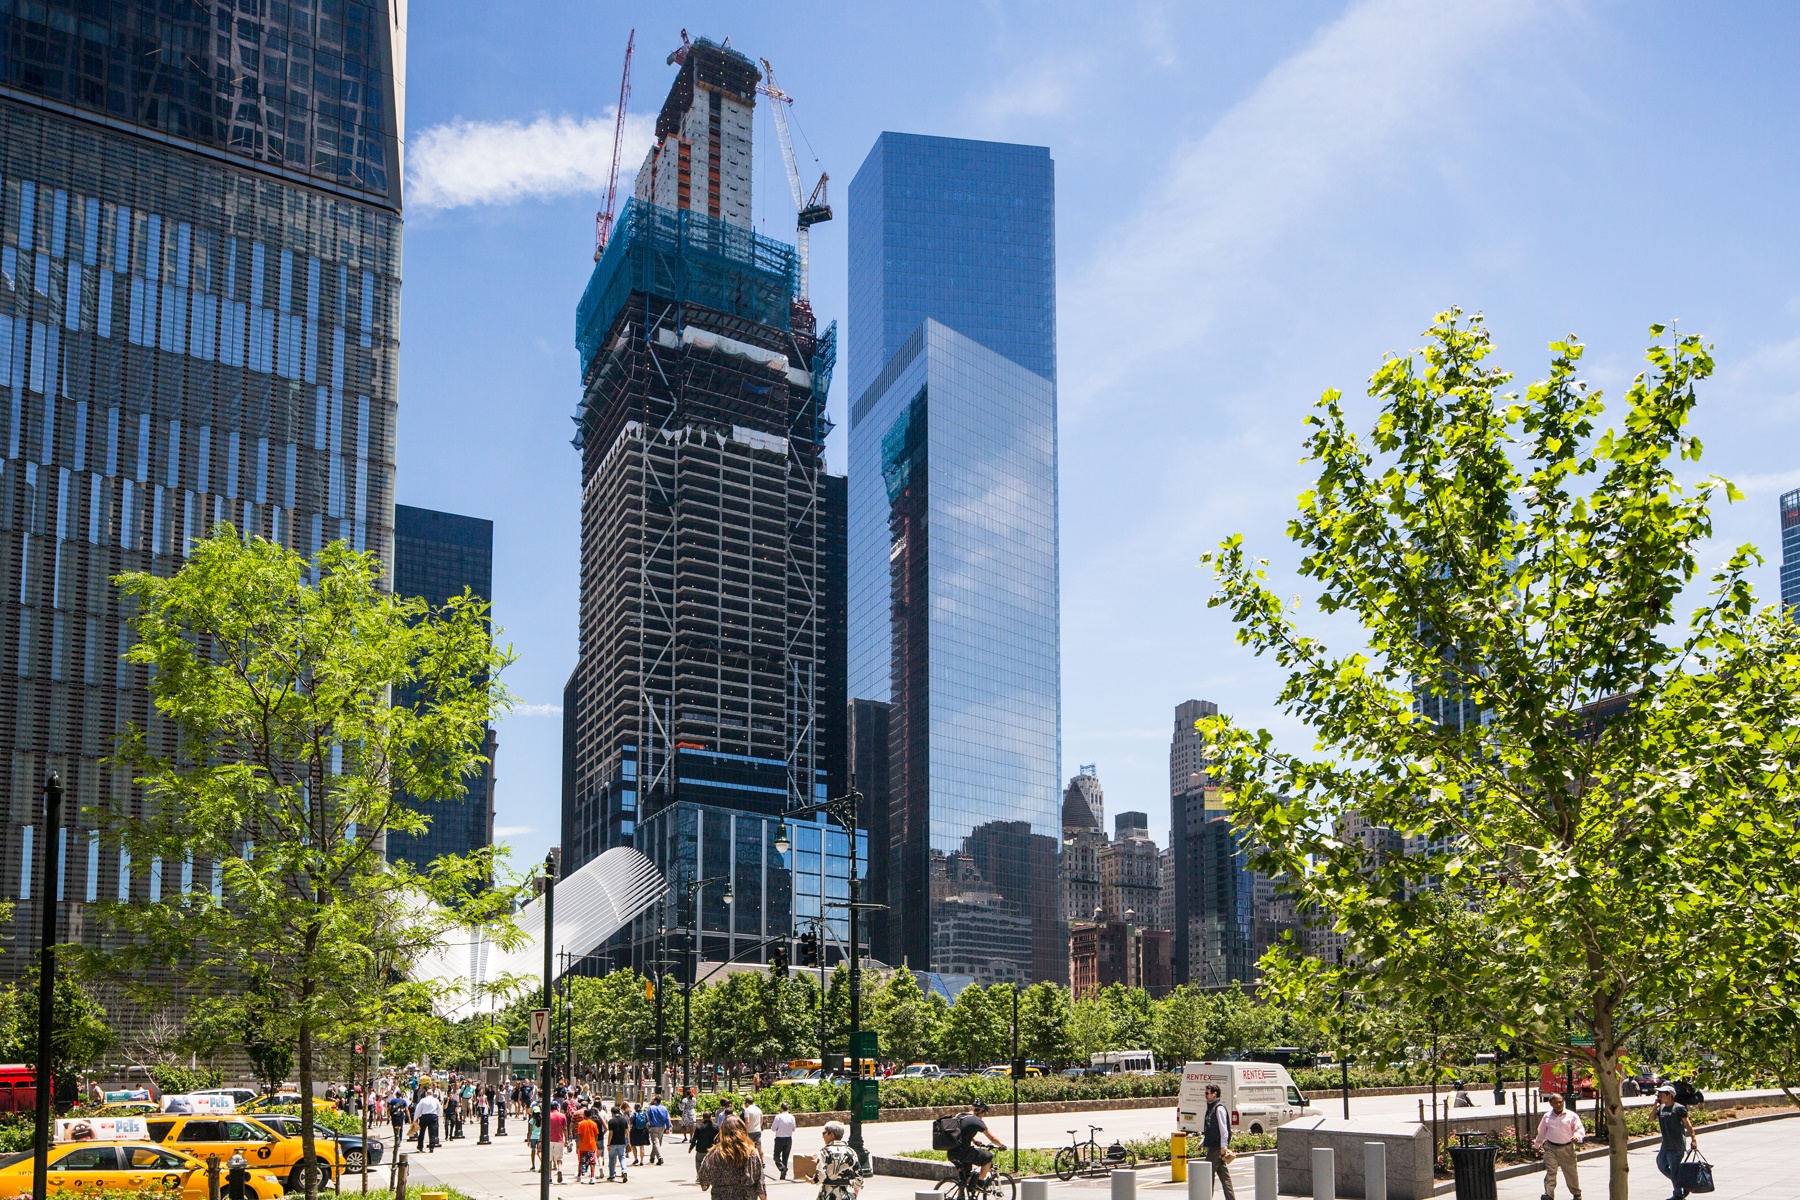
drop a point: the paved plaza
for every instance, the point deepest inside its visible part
(1750, 1160)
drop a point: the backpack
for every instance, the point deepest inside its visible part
(1686, 1093)
(640, 1119)
(946, 1132)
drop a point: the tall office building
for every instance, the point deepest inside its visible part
(199, 306)
(953, 544)
(438, 555)
(1083, 842)
(1193, 804)
(1131, 874)
(1790, 551)
(702, 706)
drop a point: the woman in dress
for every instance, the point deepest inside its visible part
(839, 1176)
(733, 1168)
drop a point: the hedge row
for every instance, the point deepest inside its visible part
(943, 1093)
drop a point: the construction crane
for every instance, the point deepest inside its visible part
(603, 220)
(810, 210)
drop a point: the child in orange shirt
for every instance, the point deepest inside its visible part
(587, 1145)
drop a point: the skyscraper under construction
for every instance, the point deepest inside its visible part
(702, 706)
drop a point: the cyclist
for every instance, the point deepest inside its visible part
(966, 1154)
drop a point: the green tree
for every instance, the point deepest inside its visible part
(1091, 1028)
(1622, 810)
(79, 1031)
(1044, 1012)
(1132, 1015)
(904, 1019)
(276, 765)
(974, 1030)
(1183, 1029)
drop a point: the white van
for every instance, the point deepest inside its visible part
(1259, 1096)
(1122, 1062)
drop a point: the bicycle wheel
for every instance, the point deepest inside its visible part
(1067, 1163)
(1001, 1186)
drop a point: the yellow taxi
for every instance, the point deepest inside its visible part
(123, 1166)
(267, 1151)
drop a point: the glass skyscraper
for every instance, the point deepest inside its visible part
(1790, 550)
(199, 306)
(953, 608)
(436, 556)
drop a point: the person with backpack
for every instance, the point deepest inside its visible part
(1678, 1137)
(962, 1130)
(640, 1135)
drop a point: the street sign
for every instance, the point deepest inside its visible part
(540, 1034)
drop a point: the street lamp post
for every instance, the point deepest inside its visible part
(53, 799)
(843, 810)
(687, 995)
(549, 1004)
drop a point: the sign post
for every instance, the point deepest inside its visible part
(539, 1034)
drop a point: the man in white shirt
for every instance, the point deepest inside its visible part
(1557, 1136)
(428, 1110)
(783, 1125)
(753, 1123)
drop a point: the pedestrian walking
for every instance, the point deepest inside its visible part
(753, 1123)
(840, 1175)
(640, 1133)
(397, 1115)
(783, 1128)
(687, 1116)
(1677, 1137)
(618, 1132)
(555, 1139)
(1215, 1137)
(532, 1124)
(1558, 1133)
(658, 1117)
(733, 1168)
(587, 1147)
(429, 1110)
(705, 1134)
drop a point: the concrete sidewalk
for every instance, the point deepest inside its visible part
(1750, 1161)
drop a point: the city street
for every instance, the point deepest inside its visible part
(1753, 1160)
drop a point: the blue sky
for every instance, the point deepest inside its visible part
(1255, 203)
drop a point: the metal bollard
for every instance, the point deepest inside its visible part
(1324, 1164)
(1124, 1185)
(1178, 1166)
(1374, 1171)
(1032, 1189)
(1200, 1179)
(1268, 1175)
(927, 1196)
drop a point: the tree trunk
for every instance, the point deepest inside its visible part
(1606, 1082)
(307, 1145)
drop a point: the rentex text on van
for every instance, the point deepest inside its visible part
(1259, 1096)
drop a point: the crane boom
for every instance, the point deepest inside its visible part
(603, 220)
(809, 212)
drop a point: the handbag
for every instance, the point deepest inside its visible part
(1694, 1174)
(1227, 1155)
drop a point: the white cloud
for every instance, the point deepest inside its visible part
(464, 163)
(512, 831)
(1365, 89)
(537, 710)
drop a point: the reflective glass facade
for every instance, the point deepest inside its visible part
(954, 625)
(1790, 550)
(191, 332)
(959, 231)
(436, 556)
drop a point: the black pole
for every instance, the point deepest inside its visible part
(53, 798)
(1499, 1086)
(856, 1078)
(1343, 1060)
(550, 1004)
(687, 1000)
(662, 952)
(1015, 1064)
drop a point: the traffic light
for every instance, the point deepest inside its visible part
(809, 948)
(778, 962)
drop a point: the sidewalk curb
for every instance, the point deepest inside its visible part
(1522, 1169)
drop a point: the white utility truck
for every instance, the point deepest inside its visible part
(1259, 1096)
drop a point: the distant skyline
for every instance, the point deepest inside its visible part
(1253, 205)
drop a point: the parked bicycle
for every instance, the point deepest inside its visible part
(1090, 1157)
(969, 1186)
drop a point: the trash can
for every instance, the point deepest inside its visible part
(1472, 1166)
